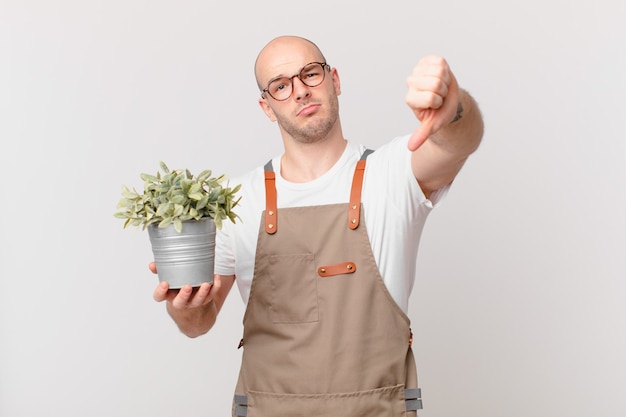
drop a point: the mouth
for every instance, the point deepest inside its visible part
(308, 109)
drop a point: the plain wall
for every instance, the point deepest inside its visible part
(518, 309)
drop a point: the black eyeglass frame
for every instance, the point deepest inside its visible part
(299, 75)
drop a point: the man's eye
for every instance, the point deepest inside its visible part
(278, 85)
(311, 74)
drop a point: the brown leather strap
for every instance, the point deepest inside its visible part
(354, 210)
(337, 269)
(271, 213)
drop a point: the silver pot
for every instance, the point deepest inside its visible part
(185, 258)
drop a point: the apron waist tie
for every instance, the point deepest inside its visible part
(412, 398)
(241, 405)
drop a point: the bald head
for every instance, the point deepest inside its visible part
(281, 52)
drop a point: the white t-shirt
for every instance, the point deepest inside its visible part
(394, 206)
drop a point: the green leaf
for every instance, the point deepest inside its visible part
(179, 199)
(202, 202)
(204, 175)
(149, 178)
(178, 210)
(163, 209)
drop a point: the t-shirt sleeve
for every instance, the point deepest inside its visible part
(392, 164)
(224, 253)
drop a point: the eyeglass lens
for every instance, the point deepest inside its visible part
(311, 75)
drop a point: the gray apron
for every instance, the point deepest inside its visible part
(322, 335)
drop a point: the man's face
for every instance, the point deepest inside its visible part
(310, 113)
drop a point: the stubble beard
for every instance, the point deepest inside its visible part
(315, 130)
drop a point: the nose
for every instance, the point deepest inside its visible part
(300, 89)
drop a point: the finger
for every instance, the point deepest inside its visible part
(422, 100)
(426, 87)
(434, 66)
(152, 267)
(421, 134)
(160, 293)
(201, 296)
(182, 298)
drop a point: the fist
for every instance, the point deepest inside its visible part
(433, 95)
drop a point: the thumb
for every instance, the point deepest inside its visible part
(420, 134)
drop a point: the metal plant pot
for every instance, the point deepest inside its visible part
(185, 258)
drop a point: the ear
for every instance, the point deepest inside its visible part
(336, 81)
(267, 109)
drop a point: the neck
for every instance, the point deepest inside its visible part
(303, 162)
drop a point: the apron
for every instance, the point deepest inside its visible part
(322, 336)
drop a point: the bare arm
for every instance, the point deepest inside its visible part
(195, 310)
(451, 124)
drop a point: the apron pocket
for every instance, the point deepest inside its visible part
(380, 402)
(293, 297)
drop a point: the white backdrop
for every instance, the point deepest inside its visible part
(518, 309)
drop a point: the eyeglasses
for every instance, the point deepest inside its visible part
(312, 75)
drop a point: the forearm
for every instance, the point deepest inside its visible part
(437, 162)
(194, 322)
(462, 136)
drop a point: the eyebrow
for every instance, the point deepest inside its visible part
(287, 76)
(278, 77)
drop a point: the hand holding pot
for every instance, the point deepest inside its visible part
(194, 309)
(185, 297)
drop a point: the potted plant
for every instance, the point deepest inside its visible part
(181, 212)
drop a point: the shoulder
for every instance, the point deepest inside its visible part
(391, 161)
(251, 182)
(392, 152)
(251, 193)
(248, 177)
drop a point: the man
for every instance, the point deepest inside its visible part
(325, 255)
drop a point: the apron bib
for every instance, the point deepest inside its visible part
(322, 335)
